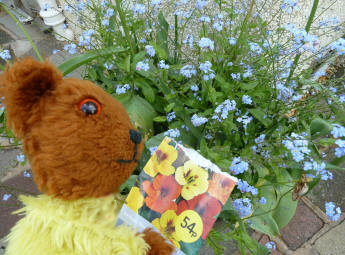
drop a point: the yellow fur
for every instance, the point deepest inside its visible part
(53, 226)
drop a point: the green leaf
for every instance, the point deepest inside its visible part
(338, 161)
(327, 141)
(265, 223)
(162, 33)
(320, 127)
(137, 57)
(146, 89)
(92, 74)
(77, 61)
(169, 107)
(259, 114)
(125, 65)
(129, 183)
(249, 86)
(140, 111)
(160, 119)
(334, 167)
(286, 207)
(154, 141)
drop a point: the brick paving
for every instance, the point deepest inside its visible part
(302, 227)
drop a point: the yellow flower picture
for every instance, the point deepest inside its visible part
(162, 159)
(166, 225)
(192, 178)
(135, 199)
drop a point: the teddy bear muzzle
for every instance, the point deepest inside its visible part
(135, 137)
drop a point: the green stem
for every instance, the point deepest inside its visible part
(243, 30)
(123, 23)
(176, 39)
(307, 29)
(24, 32)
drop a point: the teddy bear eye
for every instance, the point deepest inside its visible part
(90, 107)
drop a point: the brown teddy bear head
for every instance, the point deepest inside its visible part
(79, 140)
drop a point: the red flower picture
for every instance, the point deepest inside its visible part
(161, 193)
(206, 206)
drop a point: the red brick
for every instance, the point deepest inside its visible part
(302, 227)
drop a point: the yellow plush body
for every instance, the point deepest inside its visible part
(53, 226)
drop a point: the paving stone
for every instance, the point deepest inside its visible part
(11, 189)
(8, 160)
(331, 190)
(333, 242)
(45, 45)
(302, 227)
(264, 239)
(4, 37)
(306, 251)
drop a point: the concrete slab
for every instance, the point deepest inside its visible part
(302, 227)
(32, 29)
(332, 243)
(45, 45)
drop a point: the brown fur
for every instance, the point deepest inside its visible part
(158, 244)
(72, 155)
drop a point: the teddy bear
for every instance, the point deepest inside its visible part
(82, 146)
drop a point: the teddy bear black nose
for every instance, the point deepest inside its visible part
(135, 136)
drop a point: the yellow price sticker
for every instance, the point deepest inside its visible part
(189, 226)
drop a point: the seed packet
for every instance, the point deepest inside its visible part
(180, 194)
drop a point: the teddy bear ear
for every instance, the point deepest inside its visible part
(23, 85)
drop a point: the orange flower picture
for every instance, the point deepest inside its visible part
(221, 187)
(161, 193)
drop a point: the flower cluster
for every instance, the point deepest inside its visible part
(198, 121)
(138, 9)
(332, 212)
(171, 116)
(206, 43)
(298, 146)
(5, 55)
(206, 69)
(243, 206)
(150, 50)
(121, 89)
(238, 166)
(188, 71)
(244, 187)
(173, 133)
(143, 65)
(338, 46)
(338, 131)
(162, 65)
(289, 5)
(71, 48)
(223, 109)
(318, 168)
